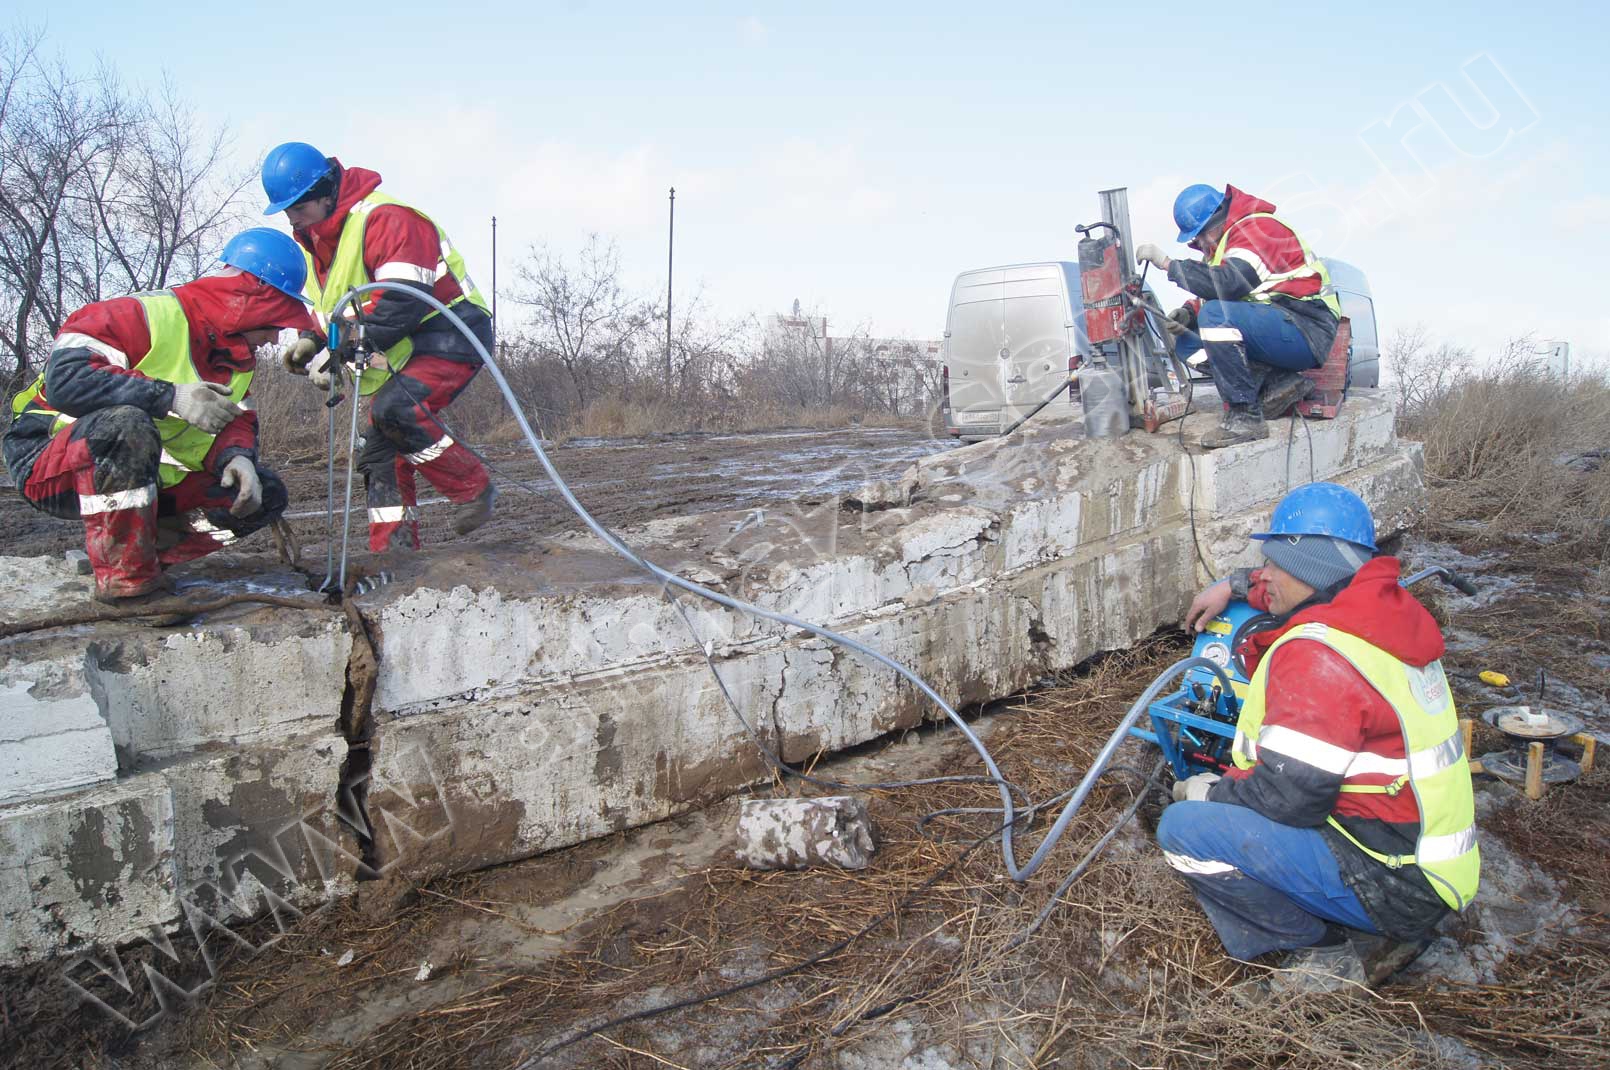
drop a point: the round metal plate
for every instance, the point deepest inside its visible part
(1523, 722)
(1511, 765)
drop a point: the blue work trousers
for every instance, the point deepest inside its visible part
(1243, 340)
(1264, 885)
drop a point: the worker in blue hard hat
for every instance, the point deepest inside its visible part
(1264, 309)
(354, 234)
(1344, 831)
(138, 427)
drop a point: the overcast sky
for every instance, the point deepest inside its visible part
(859, 161)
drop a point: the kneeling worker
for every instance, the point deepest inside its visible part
(1264, 308)
(1346, 828)
(355, 234)
(136, 426)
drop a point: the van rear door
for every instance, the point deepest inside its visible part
(974, 341)
(1036, 330)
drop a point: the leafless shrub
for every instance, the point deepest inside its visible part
(1509, 447)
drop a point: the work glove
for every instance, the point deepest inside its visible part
(241, 473)
(1194, 788)
(1154, 253)
(318, 370)
(1178, 322)
(299, 353)
(204, 405)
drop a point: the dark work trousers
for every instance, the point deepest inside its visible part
(1243, 340)
(402, 437)
(1265, 886)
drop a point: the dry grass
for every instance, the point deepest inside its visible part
(1498, 447)
(1126, 972)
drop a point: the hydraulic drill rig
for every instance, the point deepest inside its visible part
(1123, 322)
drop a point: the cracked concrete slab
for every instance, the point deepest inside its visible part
(533, 694)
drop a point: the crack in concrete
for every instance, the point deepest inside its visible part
(357, 728)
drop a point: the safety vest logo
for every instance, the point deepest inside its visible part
(1429, 687)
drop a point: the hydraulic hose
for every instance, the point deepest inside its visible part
(610, 539)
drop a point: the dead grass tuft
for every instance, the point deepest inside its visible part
(1511, 450)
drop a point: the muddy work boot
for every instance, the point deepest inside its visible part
(1383, 956)
(475, 512)
(1243, 423)
(1281, 391)
(1318, 969)
(135, 594)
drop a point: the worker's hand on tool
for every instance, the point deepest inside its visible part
(318, 370)
(241, 473)
(1207, 605)
(1154, 253)
(204, 405)
(299, 353)
(1178, 322)
(1195, 788)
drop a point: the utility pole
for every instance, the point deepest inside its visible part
(494, 280)
(670, 263)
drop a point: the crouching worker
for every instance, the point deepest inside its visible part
(137, 425)
(1346, 828)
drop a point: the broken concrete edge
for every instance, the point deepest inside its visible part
(1082, 548)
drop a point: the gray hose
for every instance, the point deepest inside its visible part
(609, 539)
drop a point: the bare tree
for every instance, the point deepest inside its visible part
(1422, 374)
(55, 128)
(158, 208)
(581, 314)
(102, 193)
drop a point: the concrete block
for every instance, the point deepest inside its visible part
(800, 833)
(258, 827)
(167, 692)
(52, 734)
(86, 868)
(76, 562)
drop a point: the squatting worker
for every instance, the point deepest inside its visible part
(1346, 827)
(138, 426)
(354, 234)
(1264, 308)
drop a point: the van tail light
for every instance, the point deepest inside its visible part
(944, 383)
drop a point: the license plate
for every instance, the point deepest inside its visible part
(977, 417)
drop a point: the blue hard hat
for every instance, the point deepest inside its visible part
(289, 171)
(1323, 509)
(272, 256)
(1192, 209)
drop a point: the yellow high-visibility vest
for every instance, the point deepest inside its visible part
(1436, 768)
(1311, 266)
(184, 446)
(347, 270)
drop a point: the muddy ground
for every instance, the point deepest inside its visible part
(916, 963)
(621, 481)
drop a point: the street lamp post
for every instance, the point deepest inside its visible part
(670, 264)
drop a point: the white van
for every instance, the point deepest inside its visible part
(1012, 336)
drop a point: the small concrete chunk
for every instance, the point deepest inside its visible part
(76, 562)
(800, 833)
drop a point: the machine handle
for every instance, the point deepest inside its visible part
(1446, 575)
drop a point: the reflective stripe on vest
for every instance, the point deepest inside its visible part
(184, 447)
(347, 270)
(1436, 769)
(1268, 280)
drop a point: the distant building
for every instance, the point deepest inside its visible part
(1556, 358)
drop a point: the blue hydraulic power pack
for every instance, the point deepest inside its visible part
(1195, 725)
